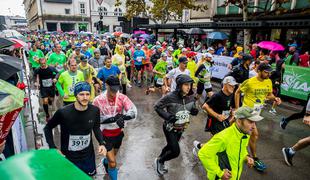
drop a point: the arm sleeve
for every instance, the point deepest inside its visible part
(59, 87)
(198, 70)
(48, 129)
(97, 130)
(208, 155)
(160, 106)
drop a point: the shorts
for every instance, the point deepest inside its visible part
(87, 165)
(201, 87)
(113, 142)
(47, 92)
(138, 67)
(157, 85)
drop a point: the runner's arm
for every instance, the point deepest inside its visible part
(96, 129)
(48, 129)
(160, 106)
(237, 98)
(208, 156)
(130, 109)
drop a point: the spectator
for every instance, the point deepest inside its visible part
(304, 59)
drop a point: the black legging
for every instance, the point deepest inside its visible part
(296, 115)
(124, 88)
(172, 149)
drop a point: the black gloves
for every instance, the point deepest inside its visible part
(172, 119)
(194, 111)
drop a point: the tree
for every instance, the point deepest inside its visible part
(160, 11)
(275, 7)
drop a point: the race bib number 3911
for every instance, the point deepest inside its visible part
(78, 142)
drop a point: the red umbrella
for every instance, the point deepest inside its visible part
(117, 33)
(18, 43)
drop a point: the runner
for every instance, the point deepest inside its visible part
(104, 48)
(289, 153)
(256, 90)
(118, 59)
(108, 70)
(97, 61)
(203, 74)
(34, 56)
(138, 57)
(90, 75)
(170, 79)
(224, 155)
(170, 59)
(45, 80)
(67, 81)
(175, 108)
(115, 108)
(160, 71)
(78, 122)
(57, 59)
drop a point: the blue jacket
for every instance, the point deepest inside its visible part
(136, 54)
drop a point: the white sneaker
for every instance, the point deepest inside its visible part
(196, 148)
(158, 167)
(273, 111)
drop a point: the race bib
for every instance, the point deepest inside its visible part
(258, 108)
(226, 113)
(47, 82)
(78, 142)
(59, 68)
(182, 117)
(71, 90)
(139, 59)
(160, 81)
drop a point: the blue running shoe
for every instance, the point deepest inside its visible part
(259, 165)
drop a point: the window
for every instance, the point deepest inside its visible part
(118, 12)
(82, 8)
(105, 11)
(67, 11)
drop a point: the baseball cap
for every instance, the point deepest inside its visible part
(138, 45)
(183, 59)
(170, 48)
(210, 49)
(248, 113)
(83, 58)
(208, 55)
(246, 57)
(114, 83)
(184, 49)
(264, 67)
(181, 46)
(230, 80)
(292, 45)
(83, 45)
(163, 54)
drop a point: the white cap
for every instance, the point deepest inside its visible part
(138, 45)
(83, 45)
(208, 55)
(230, 80)
(184, 49)
(210, 49)
(170, 48)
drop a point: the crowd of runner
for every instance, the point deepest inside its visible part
(92, 75)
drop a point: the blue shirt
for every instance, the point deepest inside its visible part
(137, 55)
(86, 54)
(104, 73)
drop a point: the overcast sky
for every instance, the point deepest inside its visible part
(12, 7)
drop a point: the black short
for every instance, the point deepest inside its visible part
(47, 92)
(114, 141)
(87, 165)
(138, 67)
(157, 85)
(201, 87)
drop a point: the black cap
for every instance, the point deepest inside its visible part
(183, 59)
(247, 57)
(114, 83)
(264, 67)
(183, 78)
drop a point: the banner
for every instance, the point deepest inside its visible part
(296, 82)
(6, 122)
(220, 66)
(19, 137)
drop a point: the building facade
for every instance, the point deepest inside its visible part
(58, 15)
(13, 22)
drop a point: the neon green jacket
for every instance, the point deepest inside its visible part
(234, 142)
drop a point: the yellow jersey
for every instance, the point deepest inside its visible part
(255, 91)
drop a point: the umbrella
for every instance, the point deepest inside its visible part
(125, 35)
(9, 65)
(107, 34)
(270, 45)
(145, 36)
(196, 31)
(117, 33)
(18, 43)
(217, 35)
(5, 43)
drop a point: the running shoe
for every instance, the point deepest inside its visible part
(158, 167)
(104, 162)
(273, 111)
(288, 157)
(197, 146)
(283, 123)
(259, 165)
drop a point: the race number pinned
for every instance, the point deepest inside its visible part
(47, 82)
(78, 142)
(182, 117)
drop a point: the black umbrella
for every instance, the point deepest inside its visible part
(194, 31)
(5, 43)
(9, 65)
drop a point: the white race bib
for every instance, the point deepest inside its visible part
(226, 113)
(160, 81)
(59, 67)
(258, 108)
(182, 117)
(139, 59)
(78, 142)
(47, 82)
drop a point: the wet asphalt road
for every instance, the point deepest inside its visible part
(144, 140)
